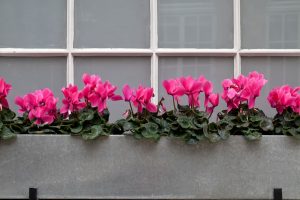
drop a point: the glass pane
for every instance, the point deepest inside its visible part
(277, 70)
(33, 24)
(29, 74)
(119, 71)
(213, 68)
(270, 24)
(195, 24)
(112, 23)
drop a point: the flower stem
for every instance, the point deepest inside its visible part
(174, 103)
(210, 115)
(131, 108)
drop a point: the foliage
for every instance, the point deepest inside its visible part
(9, 127)
(287, 123)
(192, 125)
(250, 122)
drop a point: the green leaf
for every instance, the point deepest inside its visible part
(105, 114)
(151, 127)
(224, 134)
(1, 124)
(243, 118)
(297, 121)
(128, 126)
(76, 129)
(95, 132)
(205, 130)
(213, 137)
(183, 108)
(165, 126)
(6, 133)
(191, 141)
(294, 132)
(87, 115)
(255, 118)
(212, 126)
(252, 135)
(278, 130)
(266, 124)
(7, 114)
(41, 131)
(184, 122)
(150, 135)
(197, 124)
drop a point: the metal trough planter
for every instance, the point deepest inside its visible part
(67, 167)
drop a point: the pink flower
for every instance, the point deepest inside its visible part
(90, 82)
(96, 92)
(242, 89)
(141, 98)
(71, 102)
(90, 79)
(127, 92)
(213, 100)
(174, 88)
(4, 89)
(190, 87)
(284, 97)
(253, 87)
(40, 105)
(207, 88)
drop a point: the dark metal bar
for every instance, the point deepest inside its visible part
(277, 194)
(33, 194)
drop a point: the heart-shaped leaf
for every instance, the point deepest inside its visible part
(184, 122)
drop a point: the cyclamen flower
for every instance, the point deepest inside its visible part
(40, 105)
(141, 98)
(71, 102)
(97, 93)
(213, 100)
(127, 92)
(284, 97)
(192, 88)
(174, 88)
(4, 89)
(242, 89)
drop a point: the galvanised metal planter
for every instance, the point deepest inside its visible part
(123, 167)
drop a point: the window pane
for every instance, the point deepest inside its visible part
(119, 71)
(29, 74)
(270, 24)
(112, 23)
(277, 70)
(195, 23)
(33, 24)
(213, 68)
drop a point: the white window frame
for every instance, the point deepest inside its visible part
(154, 52)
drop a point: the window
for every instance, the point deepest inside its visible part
(51, 43)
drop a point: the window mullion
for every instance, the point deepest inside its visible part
(237, 36)
(154, 45)
(70, 40)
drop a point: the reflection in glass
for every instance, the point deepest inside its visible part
(195, 23)
(213, 68)
(33, 24)
(112, 24)
(277, 70)
(29, 74)
(273, 24)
